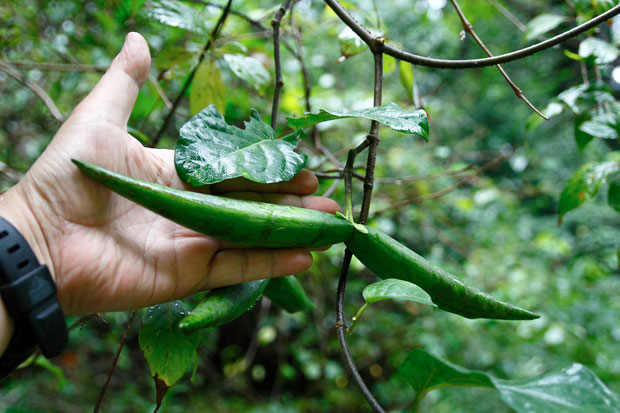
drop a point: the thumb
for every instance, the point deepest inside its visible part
(113, 97)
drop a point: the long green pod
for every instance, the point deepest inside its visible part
(288, 293)
(388, 258)
(245, 223)
(223, 305)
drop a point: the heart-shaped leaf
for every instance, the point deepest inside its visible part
(393, 289)
(169, 351)
(209, 150)
(572, 389)
(584, 184)
(390, 115)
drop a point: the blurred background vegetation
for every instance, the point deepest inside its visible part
(497, 229)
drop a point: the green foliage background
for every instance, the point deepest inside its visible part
(499, 230)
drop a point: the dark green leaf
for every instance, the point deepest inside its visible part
(582, 138)
(288, 293)
(573, 389)
(224, 305)
(389, 115)
(179, 14)
(584, 184)
(396, 290)
(542, 24)
(613, 196)
(168, 350)
(207, 88)
(210, 150)
(249, 70)
(601, 51)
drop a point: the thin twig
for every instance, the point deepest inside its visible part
(83, 319)
(114, 362)
(9, 173)
(38, 90)
(507, 14)
(444, 191)
(275, 24)
(393, 51)
(188, 81)
(307, 84)
(467, 26)
(160, 91)
(56, 67)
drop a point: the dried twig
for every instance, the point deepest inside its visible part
(467, 27)
(38, 90)
(114, 362)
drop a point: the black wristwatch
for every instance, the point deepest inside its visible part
(29, 294)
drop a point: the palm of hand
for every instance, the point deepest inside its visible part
(107, 253)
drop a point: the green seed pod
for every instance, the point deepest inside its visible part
(388, 258)
(288, 293)
(245, 223)
(223, 305)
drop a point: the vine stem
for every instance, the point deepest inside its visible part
(190, 77)
(371, 142)
(275, 24)
(114, 362)
(388, 49)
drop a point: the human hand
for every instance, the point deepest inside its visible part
(106, 253)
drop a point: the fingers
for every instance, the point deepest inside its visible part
(241, 265)
(113, 97)
(311, 202)
(304, 183)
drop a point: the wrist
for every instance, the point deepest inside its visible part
(16, 207)
(6, 327)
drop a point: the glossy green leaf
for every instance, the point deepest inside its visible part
(572, 389)
(207, 88)
(169, 351)
(599, 50)
(613, 195)
(224, 305)
(405, 72)
(542, 24)
(288, 293)
(179, 14)
(249, 69)
(584, 184)
(209, 150)
(389, 115)
(392, 289)
(598, 128)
